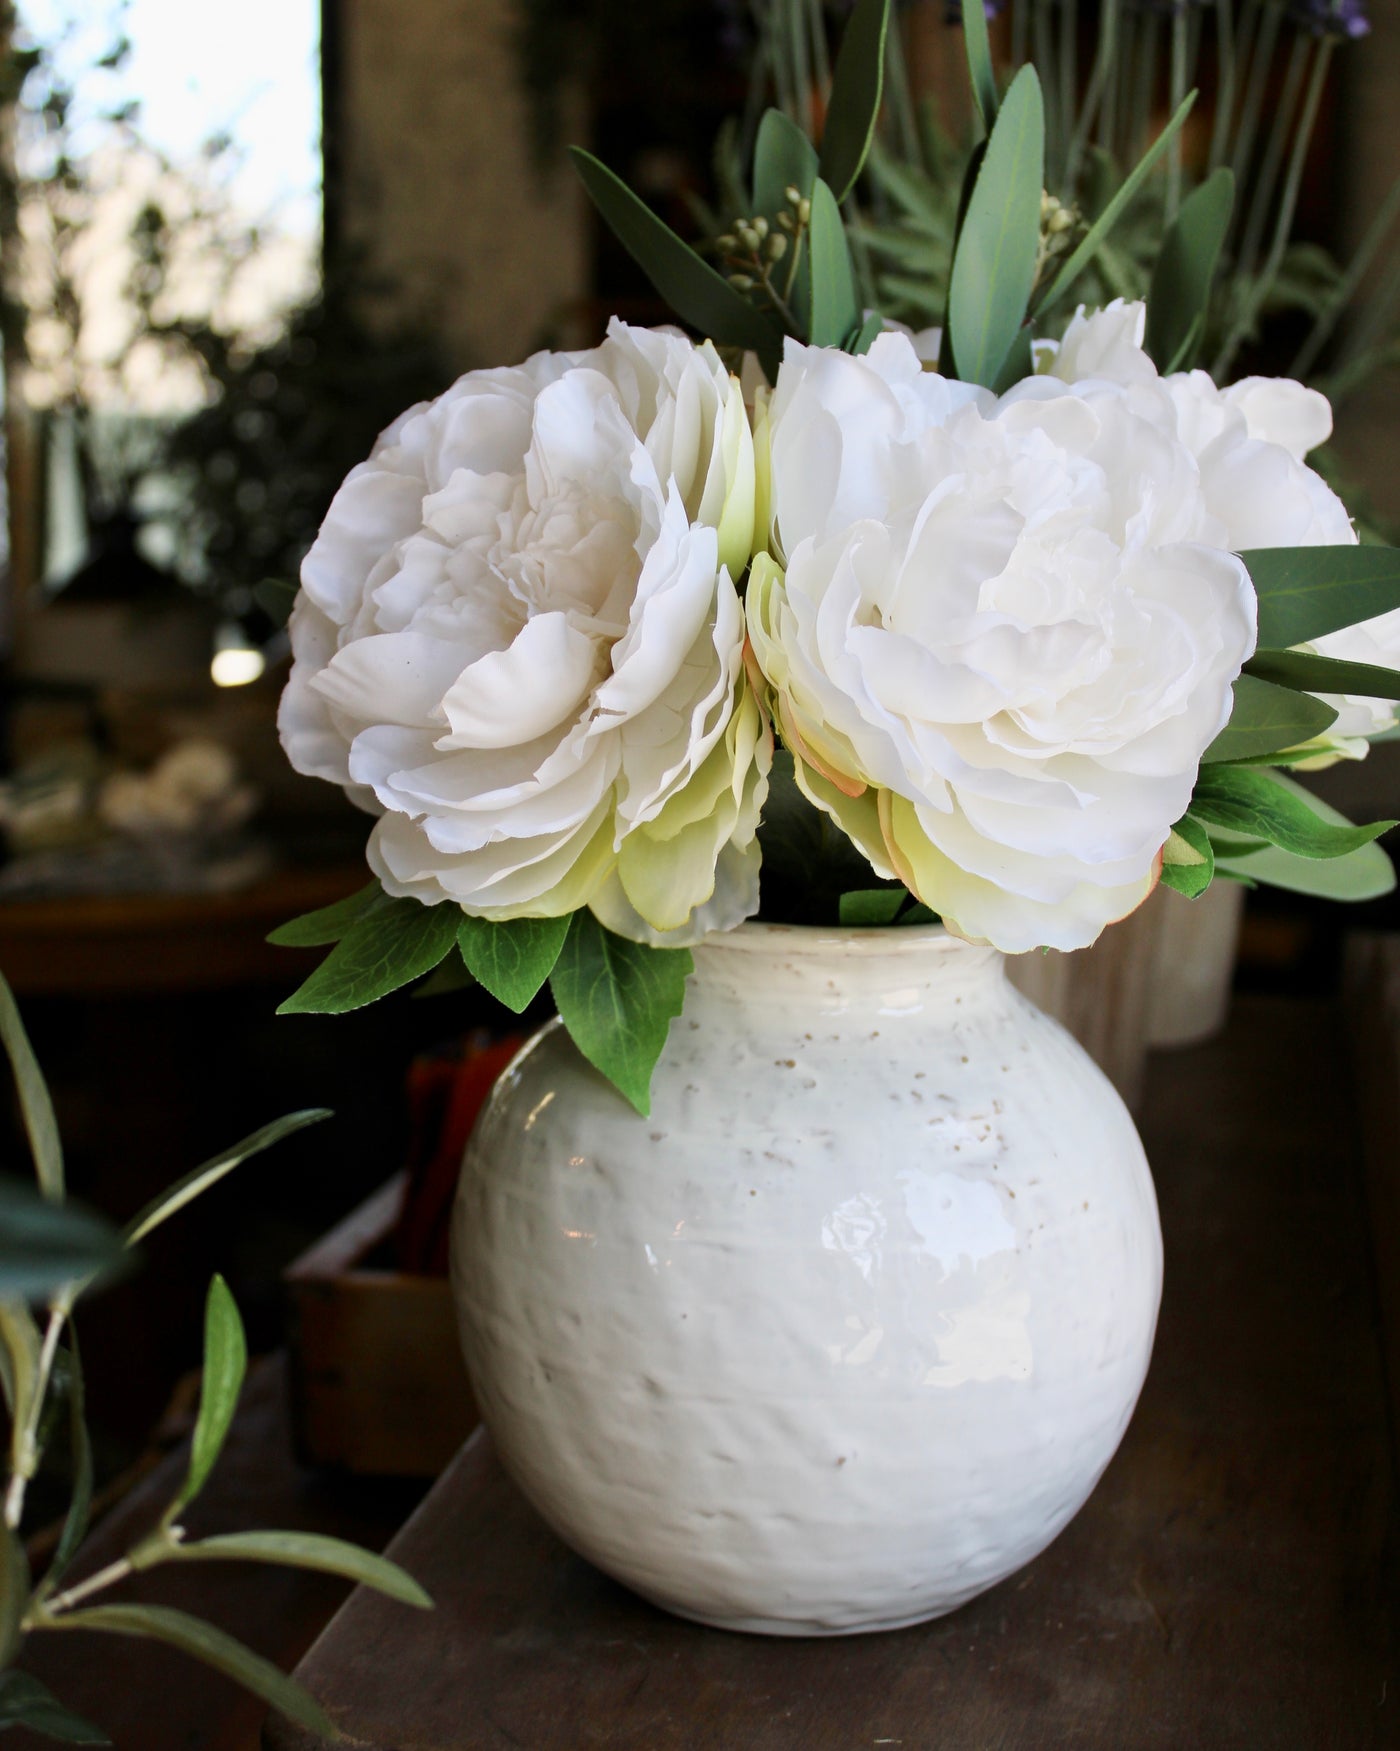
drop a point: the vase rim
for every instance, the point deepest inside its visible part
(862, 940)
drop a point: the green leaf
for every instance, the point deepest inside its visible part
(1266, 719)
(328, 923)
(309, 1550)
(867, 334)
(617, 999)
(855, 96)
(1306, 592)
(689, 285)
(14, 1592)
(1299, 669)
(835, 308)
(1188, 861)
(1261, 804)
(25, 1702)
(199, 1179)
(45, 1246)
(1186, 264)
(1108, 218)
(979, 61)
(225, 1362)
(75, 1523)
(21, 1343)
(872, 905)
(203, 1642)
(34, 1102)
(276, 596)
(512, 960)
(1364, 874)
(783, 158)
(388, 946)
(994, 264)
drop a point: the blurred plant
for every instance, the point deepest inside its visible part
(1272, 60)
(52, 1252)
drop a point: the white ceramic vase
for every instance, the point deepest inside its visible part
(847, 1330)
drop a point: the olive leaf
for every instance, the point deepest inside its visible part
(1306, 592)
(1186, 264)
(35, 1104)
(856, 87)
(225, 1363)
(1265, 719)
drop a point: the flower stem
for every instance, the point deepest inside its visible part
(25, 1442)
(1225, 90)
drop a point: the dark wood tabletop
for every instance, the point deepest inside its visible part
(1229, 1585)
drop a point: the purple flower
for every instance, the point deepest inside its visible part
(952, 11)
(1344, 19)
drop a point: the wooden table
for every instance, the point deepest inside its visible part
(1227, 1585)
(1227, 1588)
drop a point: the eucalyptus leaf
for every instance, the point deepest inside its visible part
(199, 1179)
(979, 61)
(994, 263)
(1185, 270)
(25, 1702)
(1266, 719)
(835, 309)
(46, 1246)
(867, 334)
(225, 1362)
(1324, 674)
(1306, 592)
(1089, 246)
(1188, 859)
(328, 923)
(783, 158)
(689, 285)
(35, 1105)
(617, 999)
(1261, 804)
(387, 947)
(512, 960)
(310, 1550)
(177, 1629)
(856, 87)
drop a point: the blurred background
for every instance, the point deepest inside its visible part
(235, 242)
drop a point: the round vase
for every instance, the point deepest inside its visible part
(848, 1328)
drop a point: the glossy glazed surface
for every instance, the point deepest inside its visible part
(847, 1330)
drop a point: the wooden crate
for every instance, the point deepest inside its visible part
(378, 1382)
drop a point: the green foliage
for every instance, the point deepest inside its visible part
(1306, 592)
(994, 263)
(872, 905)
(309, 1550)
(328, 923)
(34, 1102)
(44, 1245)
(225, 1363)
(1178, 301)
(979, 62)
(1261, 804)
(1363, 874)
(618, 999)
(855, 96)
(835, 308)
(1266, 718)
(25, 1702)
(512, 960)
(177, 1629)
(783, 158)
(689, 285)
(1188, 861)
(1301, 670)
(386, 947)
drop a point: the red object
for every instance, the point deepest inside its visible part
(445, 1095)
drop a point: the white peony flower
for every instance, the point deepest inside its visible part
(518, 641)
(1249, 441)
(1005, 633)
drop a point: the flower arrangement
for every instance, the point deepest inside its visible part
(1001, 623)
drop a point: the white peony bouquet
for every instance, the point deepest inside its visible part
(823, 621)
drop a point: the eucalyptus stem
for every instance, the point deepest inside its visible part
(71, 1596)
(1225, 86)
(795, 20)
(1288, 206)
(1044, 57)
(1020, 21)
(1261, 60)
(1145, 88)
(821, 61)
(1178, 92)
(899, 95)
(1094, 95)
(24, 1447)
(1261, 200)
(1067, 73)
(1346, 289)
(1117, 84)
